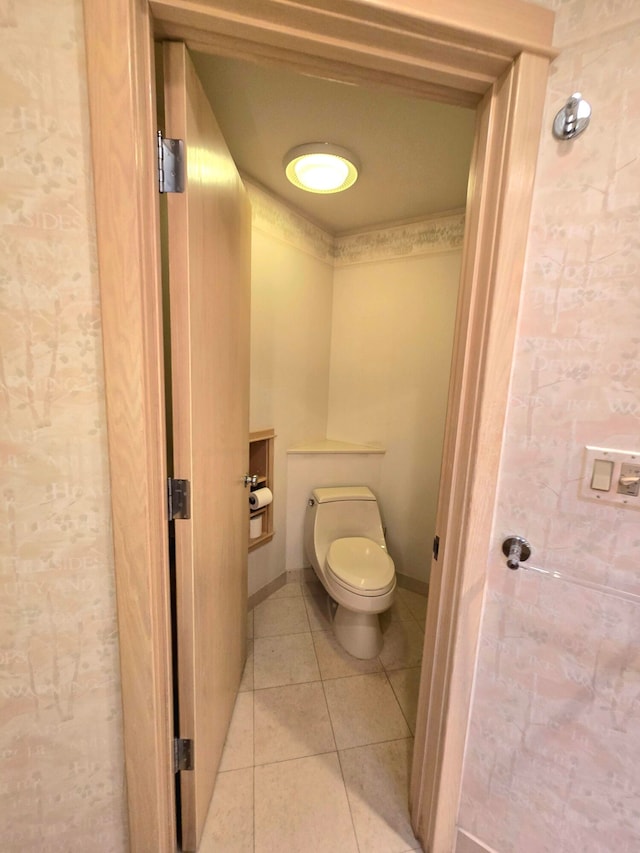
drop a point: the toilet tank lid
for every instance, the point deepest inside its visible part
(343, 493)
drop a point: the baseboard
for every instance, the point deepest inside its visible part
(264, 592)
(300, 575)
(307, 574)
(467, 843)
(294, 575)
(407, 582)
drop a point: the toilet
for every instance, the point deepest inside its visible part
(344, 542)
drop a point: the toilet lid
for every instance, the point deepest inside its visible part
(361, 564)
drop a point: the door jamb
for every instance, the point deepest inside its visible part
(398, 44)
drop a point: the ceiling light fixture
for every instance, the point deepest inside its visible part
(320, 167)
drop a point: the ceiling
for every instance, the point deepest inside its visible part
(414, 154)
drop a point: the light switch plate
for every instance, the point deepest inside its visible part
(592, 475)
(602, 474)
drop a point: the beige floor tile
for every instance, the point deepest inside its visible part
(229, 824)
(238, 747)
(309, 575)
(377, 781)
(399, 611)
(335, 662)
(284, 660)
(301, 806)
(313, 587)
(280, 616)
(406, 685)
(403, 642)
(246, 682)
(416, 603)
(318, 611)
(291, 722)
(250, 624)
(289, 590)
(364, 710)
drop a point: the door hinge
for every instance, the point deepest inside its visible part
(178, 498)
(436, 547)
(182, 754)
(170, 164)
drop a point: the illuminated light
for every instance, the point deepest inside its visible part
(319, 167)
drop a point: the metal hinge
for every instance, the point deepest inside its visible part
(436, 547)
(182, 754)
(170, 164)
(178, 498)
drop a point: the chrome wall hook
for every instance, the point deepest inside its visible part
(517, 550)
(573, 118)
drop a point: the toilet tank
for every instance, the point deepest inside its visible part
(339, 512)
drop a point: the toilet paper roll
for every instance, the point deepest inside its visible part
(260, 498)
(255, 527)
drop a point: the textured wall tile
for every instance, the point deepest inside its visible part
(553, 751)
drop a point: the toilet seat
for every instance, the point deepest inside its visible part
(360, 565)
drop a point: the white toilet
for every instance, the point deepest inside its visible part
(344, 543)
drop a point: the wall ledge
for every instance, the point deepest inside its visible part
(327, 445)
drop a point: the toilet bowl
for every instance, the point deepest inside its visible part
(345, 544)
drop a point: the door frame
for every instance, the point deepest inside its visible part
(489, 54)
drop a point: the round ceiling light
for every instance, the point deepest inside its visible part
(319, 167)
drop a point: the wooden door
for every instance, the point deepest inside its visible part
(209, 228)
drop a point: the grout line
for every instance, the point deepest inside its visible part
(326, 702)
(288, 684)
(393, 693)
(288, 634)
(352, 675)
(355, 675)
(376, 743)
(253, 770)
(335, 742)
(406, 719)
(298, 758)
(346, 791)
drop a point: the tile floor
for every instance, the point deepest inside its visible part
(318, 752)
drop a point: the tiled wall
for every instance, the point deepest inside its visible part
(553, 756)
(60, 720)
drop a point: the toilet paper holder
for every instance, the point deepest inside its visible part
(517, 550)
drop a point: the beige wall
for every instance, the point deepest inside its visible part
(291, 294)
(351, 339)
(61, 748)
(392, 334)
(554, 742)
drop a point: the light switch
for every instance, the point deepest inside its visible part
(629, 482)
(611, 476)
(602, 474)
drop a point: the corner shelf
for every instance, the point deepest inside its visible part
(261, 464)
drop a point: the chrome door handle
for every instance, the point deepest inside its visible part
(250, 480)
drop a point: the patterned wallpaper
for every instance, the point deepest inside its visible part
(553, 756)
(61, 749)
(439, 233)
(281, 222)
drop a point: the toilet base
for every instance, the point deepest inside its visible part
(358, 633)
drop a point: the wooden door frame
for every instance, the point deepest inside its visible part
(488, 54)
